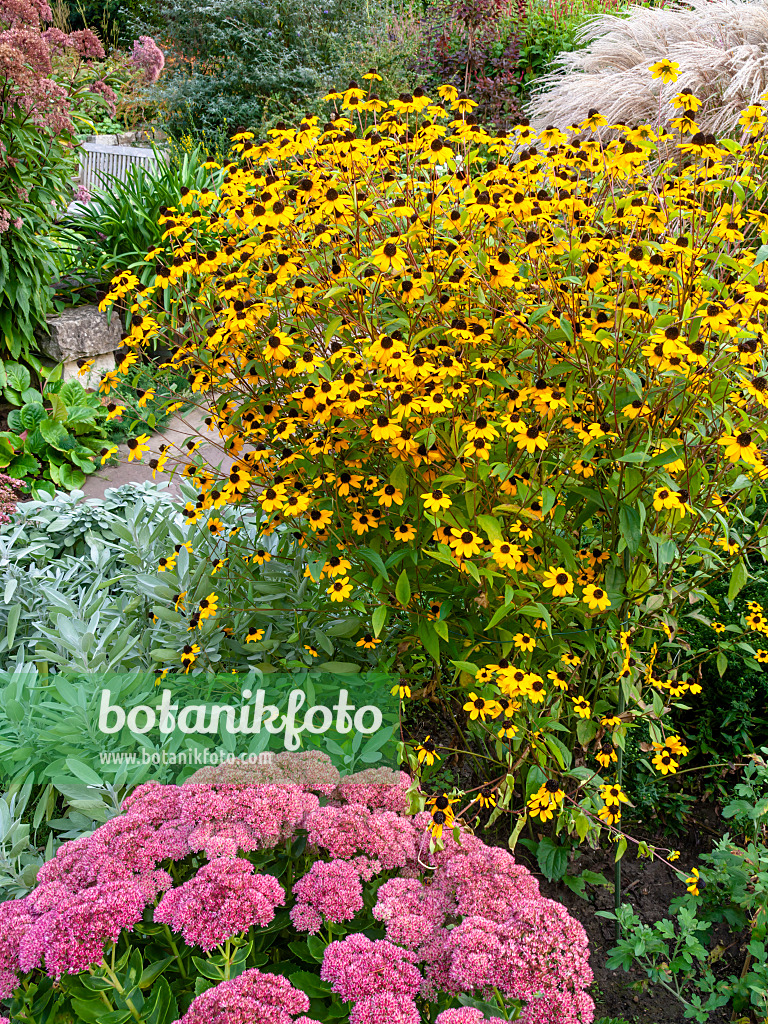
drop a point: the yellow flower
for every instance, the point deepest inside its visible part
(694, 883)
(368, 641)
(138, 447)
(667, 70)
(595, 598)
(582, 707)
(479, 707)
(208, 607)
(427, 749)
(523, 641)
(340, 589)
(559, 581)
(435, 501)
(254, 634)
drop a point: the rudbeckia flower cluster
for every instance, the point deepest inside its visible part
(519, 377)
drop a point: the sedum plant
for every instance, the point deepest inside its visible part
(508, 394)
(306, 899)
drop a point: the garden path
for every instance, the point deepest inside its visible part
(180, 427)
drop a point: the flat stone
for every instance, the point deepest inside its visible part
(80, 333)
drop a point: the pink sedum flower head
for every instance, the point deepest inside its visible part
(250, 998)
(328, 890)
(223, 899)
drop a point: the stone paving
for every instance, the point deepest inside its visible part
(187, 424)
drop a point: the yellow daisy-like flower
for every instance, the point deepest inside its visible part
(595, 598)
(479, 707)
(340, 589)
(559, 582)
(582, 707)
(524, 641)
(667, 70)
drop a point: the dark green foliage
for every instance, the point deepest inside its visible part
(33, 187)
(238, 63)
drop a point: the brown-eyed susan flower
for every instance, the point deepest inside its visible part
(761, 655)
(254, 634)
(311, 651)
(389, 495)
(208, 607)
(261, 556)
(718, 627)
(165, 564)
(427, 751)
(570, 659)
(404, 532)
(694, 883)
(595, 598)
(189, 656)
(740, 446)
(442, 814)
(505, 555)
(340, 589)
(558, 581)
(663, 761)
(546, 800)
(368, 641)
(435, 501)
(479, 707)
(667, 70)
(487, 797)
(582, 707)
(524, 641)
(606, 755)
(401, 690)
(108, 453)
(465, 543)
(560, 679)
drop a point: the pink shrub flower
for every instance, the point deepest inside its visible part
(355, 829)
(251, 998)
(333, 891)
(148, 56)
(385, 1008)
(223, 899)
(465, 1015)
(357, 967)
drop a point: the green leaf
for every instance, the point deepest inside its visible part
(19, 377)
(83, 772)
(739, 578)
(312, 984)
(631, 528)
(379, 618)
(552, 859)
(403, 589)
(32, 415)
(430, 639)
(621, 849)
(491, 526)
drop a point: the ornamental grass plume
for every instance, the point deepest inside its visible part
(138, 890)
(719, 46)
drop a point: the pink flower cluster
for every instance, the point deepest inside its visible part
(25, 62)
(475, 921)
(331, 890)
(223, 899)
(148, 56)
(379, 977)
(251, 998)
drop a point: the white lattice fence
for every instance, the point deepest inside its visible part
(99, 164)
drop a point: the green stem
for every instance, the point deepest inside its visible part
(617, 865)
(176, 953)
(119, 988)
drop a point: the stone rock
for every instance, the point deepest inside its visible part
(80, 333)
